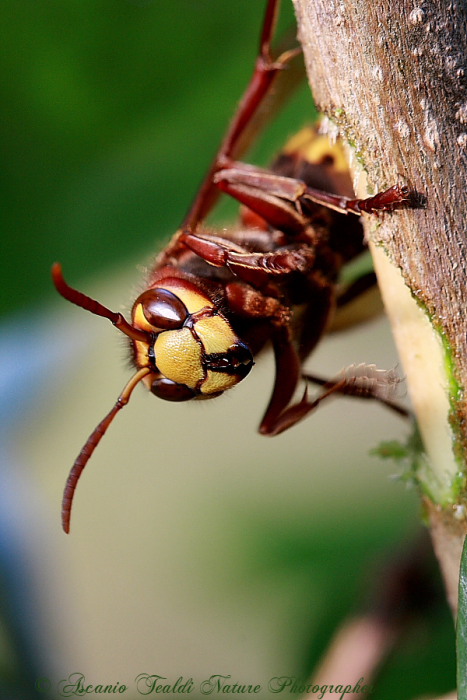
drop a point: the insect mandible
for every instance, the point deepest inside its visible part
(212, 302)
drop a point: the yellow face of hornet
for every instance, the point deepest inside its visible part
(193, 350)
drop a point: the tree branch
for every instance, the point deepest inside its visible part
(393, 78)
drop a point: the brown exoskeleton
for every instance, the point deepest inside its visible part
(212, 302)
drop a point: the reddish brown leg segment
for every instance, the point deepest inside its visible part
(370, 389)
(271, 196)
(388, 200)
(247, 302)
(288, 368)
(278, 262)
(364, 381)
(282, 200)
(264, 73)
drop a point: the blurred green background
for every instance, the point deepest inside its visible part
(112, 110)
(198, 547)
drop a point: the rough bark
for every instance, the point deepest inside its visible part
(392, 77)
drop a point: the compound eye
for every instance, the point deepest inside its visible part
(162, 309)
(171, 391)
